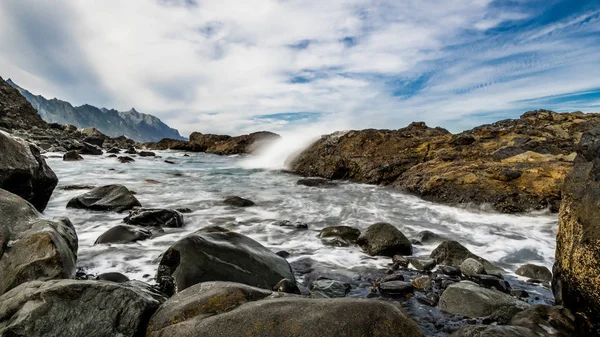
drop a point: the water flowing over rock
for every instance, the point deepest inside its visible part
(216, 254)
(514, 165)
(61, 308)
(106, 198)
(32, 248)
(24, 172)
(221, 309)
(576, 282)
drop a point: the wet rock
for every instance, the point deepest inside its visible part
(106, 198)
(316, 182)
(429, 236)
(547, 321)
(494, 331)
(519, 293)
(283, 253)
(184, 210)
(90, 149)
(112, 277)
(238, 201)
(450, 271)
(131, 150)
(216, 254)
(428, 299)
(33, 248)
(112, 156)
(114, 150)
(223, 309)
(146, 154)
(60, 308)
(125, 159)
(24, 172)
(422, 264)
(289, 224)
(336, 242)
(343, 232)
(154, 217)
(452, 253)
(395, 288)
(383, 239)
(471, 267)
(400, 260)
(170, 162)
(329, 288)
(76, 187)
(493, 282)
(468, 299)
(535, 272)
(226, 145)
(72, 156)
(422, 282)
(95, 140)
(123, 234)
(287, 286)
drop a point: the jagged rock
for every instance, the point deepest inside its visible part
(221, 309)
(238, 201)
(123, 234)
(106, 198)
(384, 239)
(72, 156)
(289, 224)
(114, 150)
(535, 272)
(452, 253)
(61, 308)
(15, 111)
(154, 217)
(24, 172)
(422, 282)
(90, 149)
(32, 248)
(216, 254)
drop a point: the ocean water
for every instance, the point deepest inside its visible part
(201, 181)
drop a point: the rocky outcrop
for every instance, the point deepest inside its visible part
(61, 308)
(222, 309)
(576, 280)
(15, 111)
(24, 172)
(514, 165)
(216, 254)
(216, 144)
(32, 248)
(106, 198)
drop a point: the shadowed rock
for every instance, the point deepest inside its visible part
(106, 198)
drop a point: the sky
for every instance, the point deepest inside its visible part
(238, 66)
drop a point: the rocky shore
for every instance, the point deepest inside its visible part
(217, 282)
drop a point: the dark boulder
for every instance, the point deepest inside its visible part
(325, 288)
(154, 217)
(125, 159)
(33, 248)
(452, 253)
(316, 182)
(287, 286)
(114, 150)
(216, 254)
(23, 171)
(95, 140)
(72, 156)
(61, 308)
(146, 154)
(90, 149)
(238, 201)
(106, 198)
(343, 232)
(429, 236)
(289, 224)
(112, 277)
(220, 309)
(384, 239)
(535, 272)
(123, 234)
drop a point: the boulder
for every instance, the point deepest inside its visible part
(343, 232)
(114, 150)
(220, 309)
(325, 288)
(289, 224)
(95, 140)
(471, 267)
(384, 239)
(429, 237)
(23, 171)
(123, 234)
(125, 159)
(216, 254)
(395, 288)
(452, 253)
(90, 149)
(316, 182)
(421, 264)
(33, 248)
(112, 277)
(154, 217)
(548, 321)
(535, 272)
(72, 156)
(576, 281)
(238, 201)
(106, 198)
(146, 154)
(60, 308)
(244, 144)
(494, 331)
(468, 299)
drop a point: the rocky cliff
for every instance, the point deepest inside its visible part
(216, 144)
(576, 282)
(132, 124)
(514, 165)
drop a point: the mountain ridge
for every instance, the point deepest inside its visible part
(132, 124)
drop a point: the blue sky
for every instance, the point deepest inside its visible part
(235, 66)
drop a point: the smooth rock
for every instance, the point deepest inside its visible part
(471, 267)
(329, 288)
(146, 154)
(429, 236)
(422, 283)
(125, 159)
(316, 182)
(535, 272)
(90, 149)
(154, 217)
(123, 234)
(287, 286)
(383, 239)
(452, 253)
(72, 156)
(421, 264)
(238, 201)
(106, 198)
(395, 288)
(112, 277)
(343, 232)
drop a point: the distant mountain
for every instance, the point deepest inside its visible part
(132, 124)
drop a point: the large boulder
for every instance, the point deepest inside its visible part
(216, 254)
(24, 172)
(123, 234)
(61, 308)
(535, 272)
(468, 299)
(452, 253)
(154, 217)
(221, 309)
(384, 239)
(106, 198)
(576, 281)
(15, 111)
(33, 248)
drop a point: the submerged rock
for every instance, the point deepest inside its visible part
(535, 272)
(123, 234)
(452, 253)
(316, 182)
(216, 254)
(125, 159)
(61, 308)
(72, 156)
(343, 232)
(24, 172)
(222, 309)
(146, 154)
(384, 239)
(154, 217)
(238, 201)
(32, 248)
(106, 198)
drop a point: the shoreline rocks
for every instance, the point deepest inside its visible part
(106, 198)
(385, 240)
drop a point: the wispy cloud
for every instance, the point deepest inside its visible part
(236, 66)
